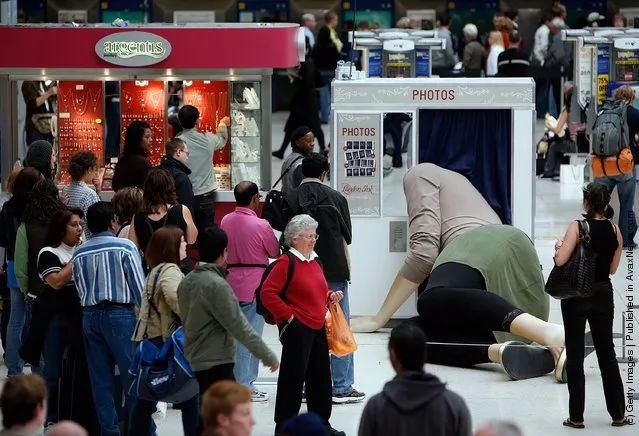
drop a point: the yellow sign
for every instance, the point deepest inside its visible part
(602, 88)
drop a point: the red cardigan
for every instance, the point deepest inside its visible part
(305, 297)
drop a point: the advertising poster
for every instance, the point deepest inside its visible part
(603, 72)
(626, 65)
(358, 171)
(584, 80)
(422, 62)
(375, 62)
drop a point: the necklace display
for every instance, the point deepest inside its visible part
(145, 103)
(65, 100)
(80, 128)
(143, 95)
(155, 99)
(80, 102)
(129, 100)
(95, 98)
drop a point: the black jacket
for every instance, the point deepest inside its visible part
(325, 54)
(513, 63)
(131, 170)
(330, 209)
(180, 173)
(415, 403)
(9, 223)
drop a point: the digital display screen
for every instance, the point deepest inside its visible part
(383, 18)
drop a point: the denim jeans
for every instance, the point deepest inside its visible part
(246, 365)
(542, 86)
(17, 332)
(342, 368)
(552, 104)
(52, 355)
(325, 95)
(626, 185)
(107, 331)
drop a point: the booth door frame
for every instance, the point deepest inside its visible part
(368, 264)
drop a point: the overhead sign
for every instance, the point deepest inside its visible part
(133, 49)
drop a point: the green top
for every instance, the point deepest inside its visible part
(21, 259)
(506, 258)
(213, 321)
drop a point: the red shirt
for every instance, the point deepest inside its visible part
(305, 297)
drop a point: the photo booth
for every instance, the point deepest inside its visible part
(481, 128)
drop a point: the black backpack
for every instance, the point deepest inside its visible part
(260, 309)
(277, 210)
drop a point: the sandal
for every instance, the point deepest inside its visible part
(569, 423)
(625, 421)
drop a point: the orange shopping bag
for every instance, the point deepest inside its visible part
(338, 333)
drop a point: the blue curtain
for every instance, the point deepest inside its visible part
(474, 143)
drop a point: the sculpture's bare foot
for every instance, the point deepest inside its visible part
(365, 324)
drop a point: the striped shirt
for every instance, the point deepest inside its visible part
(107, 268)
(81, 197)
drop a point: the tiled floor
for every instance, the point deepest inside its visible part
(537, 405)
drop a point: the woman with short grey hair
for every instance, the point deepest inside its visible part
(298, 304)
(296, 226)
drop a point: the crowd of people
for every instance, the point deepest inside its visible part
(92, 279)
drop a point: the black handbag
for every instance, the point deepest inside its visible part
(576, 278)
(276, 209)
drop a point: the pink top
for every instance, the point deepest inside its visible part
(251, 242)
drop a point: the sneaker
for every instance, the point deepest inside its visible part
(333, 432)
(349, 397)
(259, 396)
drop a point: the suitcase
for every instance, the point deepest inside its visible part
(540, 163)
(75, 399)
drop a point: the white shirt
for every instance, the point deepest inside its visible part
(309, 34)
(540, 49)
(301, 257)
(493, 56)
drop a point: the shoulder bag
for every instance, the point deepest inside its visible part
(160, 372)
(576, 278)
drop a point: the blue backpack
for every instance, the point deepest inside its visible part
(260, 309)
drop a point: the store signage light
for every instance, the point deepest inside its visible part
(133, 49)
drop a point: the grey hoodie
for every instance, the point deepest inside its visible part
(415, 403)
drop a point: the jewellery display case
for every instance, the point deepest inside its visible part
(145, 100)
(246, 134)
(220, 80)
(80, 123)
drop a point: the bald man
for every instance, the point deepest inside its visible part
(67, 428)
(251, 243)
